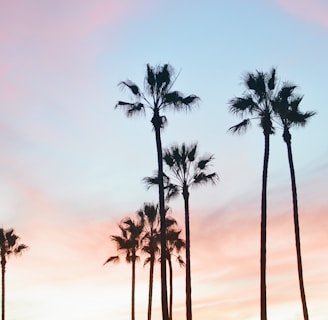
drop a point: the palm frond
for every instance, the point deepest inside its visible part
(151, 81)
(168, 158)
(131, 85)
(202, 178)
(20, 248)
(114, 259)
(240, 127)
(242, 105)
(180, 261)
(147, 260)
(192, 152)
(172, 191)
(204, 161)
(11, 238)
(163, 77)
(272, 80)
(173, 97)
(189, 100)
(2, 237)
(256, 83)
(151, 181)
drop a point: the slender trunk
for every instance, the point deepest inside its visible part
(151, 277)
(133, 286)
(188, 273)
(171, 285)
(3, 270)
(263, 225)
(157, 122)
(287, 138)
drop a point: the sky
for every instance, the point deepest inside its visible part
(71, 166)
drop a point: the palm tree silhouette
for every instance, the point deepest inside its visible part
(187, 170)
(151, 240)
(286, 107)
(256, 103)
(158, 96)
(129, 243)
(8, 246)
(175, 244)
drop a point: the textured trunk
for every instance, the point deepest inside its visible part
(133, 286)
(150, 293)
(185, 194)
(171, 286)
(3, 270)
(263, 225)
(157, 122)
(287, 139)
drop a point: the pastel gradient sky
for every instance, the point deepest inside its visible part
(71, 166)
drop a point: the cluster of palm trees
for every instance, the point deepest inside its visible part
(265, 101)
(9, 245)
(158, 96)
(142, 234)
(272, 105)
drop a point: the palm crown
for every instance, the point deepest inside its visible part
(157, 94)
(129, 240)
(9, 244)
(256, 101)
(286, 108)
(187, 169)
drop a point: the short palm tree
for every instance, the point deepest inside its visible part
(256, 104)
(286, 107)
(9, 245)
(175, 244)
(158, 96)
(129, 243)
(150, 245)
(186, 170)
(151, 241)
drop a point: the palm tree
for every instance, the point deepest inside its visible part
(129, 243)
(158, 96)
(256, 104)
(286, 107)
(151, 241)
(8, 246)
(175, 244)
(187, 170)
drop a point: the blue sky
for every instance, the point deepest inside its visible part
(71, 165)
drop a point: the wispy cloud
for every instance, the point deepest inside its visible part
(315, 11)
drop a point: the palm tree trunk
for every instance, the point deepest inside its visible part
(150, 293)
(287, 138)
(188, 272)
(133, 287)
(157, 122)
(171, 286)
(3, 270)
(263, 225)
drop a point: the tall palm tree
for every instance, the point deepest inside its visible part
(9, 245)
(175, 244)
(286, 107)
(129, 243)
(158, 96)
(185, 170)
(256, 104)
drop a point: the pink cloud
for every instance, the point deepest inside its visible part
(315, 11)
